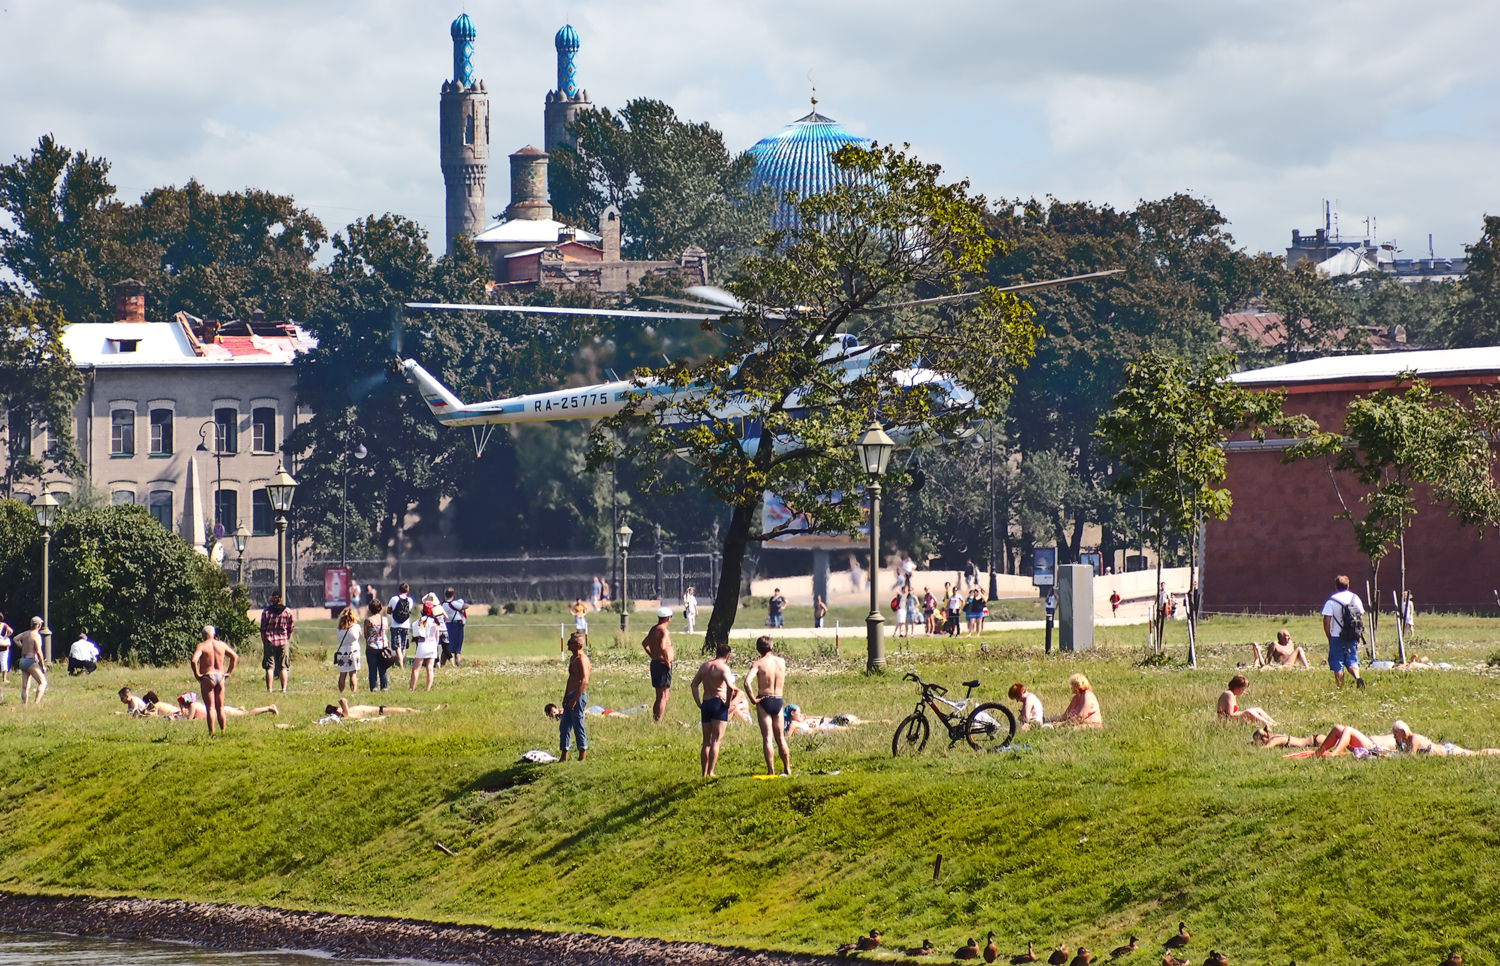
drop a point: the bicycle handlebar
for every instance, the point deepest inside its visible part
(926, 688)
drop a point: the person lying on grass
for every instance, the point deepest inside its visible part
(356, 712)
(188, 706)
(1283, 653)
(1083, 710)
(1345, 739)
(797, 723)
(1229, 704)
(1266, 739)
(1408, 740)
(133, 704)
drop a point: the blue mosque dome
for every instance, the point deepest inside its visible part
(463, 34)
(566, 39)
(462, 29)
(795, 159)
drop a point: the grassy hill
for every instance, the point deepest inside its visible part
(1076, 838)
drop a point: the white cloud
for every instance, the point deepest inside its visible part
(1265, 108)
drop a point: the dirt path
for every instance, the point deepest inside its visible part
(248, 928)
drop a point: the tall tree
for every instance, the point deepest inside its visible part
(39, 387)
(888, 230)
(1476, 309)
(1315, 317)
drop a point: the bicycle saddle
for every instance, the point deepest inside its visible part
(971, 684)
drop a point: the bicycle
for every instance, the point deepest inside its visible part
(987, 727)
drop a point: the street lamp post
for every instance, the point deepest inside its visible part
(994, 581)
(713, 561)
(279, 489)
(875, 454)
(218, 469)
(241, 539)
(46, 515)
(622, 538)
(359, 454)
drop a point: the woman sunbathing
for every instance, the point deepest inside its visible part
(1263, 737)
(1229, 704)
(356, 712)
(1346, 738)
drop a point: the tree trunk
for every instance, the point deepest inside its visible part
(727, 596)
(1375, 604)
(1192, 621)
(1158, 613)
(1401, 600)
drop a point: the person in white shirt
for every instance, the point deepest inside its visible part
(424, 637)
(1343, 643)
(690, 609)
(6, 633)
(401, 607)
(456, 614)
(955, 607)
(83, 656)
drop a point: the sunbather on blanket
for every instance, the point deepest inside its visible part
(1265, 738)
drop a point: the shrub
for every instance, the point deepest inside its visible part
(1494, 660)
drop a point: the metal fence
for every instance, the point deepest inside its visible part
(496, 580)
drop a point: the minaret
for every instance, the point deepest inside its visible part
(464, 126)
(564, 103)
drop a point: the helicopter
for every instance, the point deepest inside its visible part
(606, 399)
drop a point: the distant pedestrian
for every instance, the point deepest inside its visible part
(32, 663)
(1408, 618)
(971, 574)
(455, 618)
(1343, 624)
(425, 634)
(658, 647)
(908, 569)
(1163, 605)
(346, 654)
(6, 633)
(575, 699)
(929, 610)
(690, 609)
(820, 611)
(580, 611)
(83, 656)
(774, 607)
(856, 574)
(594, 588)
(377, 646)
(955, 608)
(909, 602)
(401, 607)
(276, 626)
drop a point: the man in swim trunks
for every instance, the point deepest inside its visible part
(763, 685)
(212, 662)
(575, 698)
(33, 663)
(658, 647)
(1283, 653)
(716, 682)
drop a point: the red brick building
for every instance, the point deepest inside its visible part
(1282, 546)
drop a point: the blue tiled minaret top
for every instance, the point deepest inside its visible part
(463, 35)
(795, 159)
(566, 42)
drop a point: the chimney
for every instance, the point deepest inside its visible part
(528, 186)
(609, 233)
(130, 301)
(257, 316)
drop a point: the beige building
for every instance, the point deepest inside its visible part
(185, 417)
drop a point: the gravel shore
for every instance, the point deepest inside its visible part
(247, 928)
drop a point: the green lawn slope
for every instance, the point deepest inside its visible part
(1076, 838)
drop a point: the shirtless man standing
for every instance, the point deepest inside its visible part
(763, 684)
(716, 681)
(213, 662)
(33, 663)
(575, 698)
(658, 647)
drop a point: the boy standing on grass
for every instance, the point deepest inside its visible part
(575, 698)
(658, 647)
(276, 626)
(716, 682)
(767, 676)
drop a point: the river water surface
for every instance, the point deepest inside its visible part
(49, 950)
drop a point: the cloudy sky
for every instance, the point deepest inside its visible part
(1388, 109)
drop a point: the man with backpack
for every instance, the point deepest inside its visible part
(1343, 623)
(400, 607)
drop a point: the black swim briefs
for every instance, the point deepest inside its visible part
(715, 709)
(661, 674)
(771, 706)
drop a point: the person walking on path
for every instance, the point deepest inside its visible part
(658, 647)
(455, 617)
(401, 607)
(575, 698)
(276, 626)
(820, 611)
(764, 682)
(377, 642)
(213, 661)
(32, 663)
(1343, 625)
(580, 611)
(346, 655)
(714, 692)
(1114, 603)
(775, 606)
(594, 588)
(690, 609)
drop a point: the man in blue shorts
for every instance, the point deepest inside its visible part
(716, 682)
(1343, 642)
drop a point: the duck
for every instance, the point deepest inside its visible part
(1029, 956)
(1083, 958)
(1167, 959)
(1059, 956)
(971, 951)
(991, 951)
(863, 944)
(1454, 959)
(1179, 940)
(1216, 958)
(923, 950)
(1125, 950)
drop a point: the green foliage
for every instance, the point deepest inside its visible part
(139, 591)
(674, 182)
(1476, 307)
(1382, 302)
(39, 387)
(1315, 316)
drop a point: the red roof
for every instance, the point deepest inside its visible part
(241, 345)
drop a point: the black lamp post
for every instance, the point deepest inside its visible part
(218, 452)
(994, 581)
(622, 539)
(279, 489)
(241, 540)
(46, 508)
(875, 454)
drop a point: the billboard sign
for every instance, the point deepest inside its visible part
(336, 587)
(1094, 559)
(1043, 566)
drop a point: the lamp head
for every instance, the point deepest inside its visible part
(875, 449)
(46, 508)
(623, 535)
(280, 488)
(241, 537)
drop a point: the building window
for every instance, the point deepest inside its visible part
(161, 432)
(122, 498)
(469, 129)
(261, 520)
(263, 430)
(227, 509)
(161, 507)
(19, 428)
(122, 432)
(227, 430)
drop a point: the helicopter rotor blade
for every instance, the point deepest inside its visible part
(716, 295)
(562, 310)
(1021, 287)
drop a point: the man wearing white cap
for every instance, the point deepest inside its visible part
(658, 647)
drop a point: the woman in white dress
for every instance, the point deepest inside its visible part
(346, 657)
(424, 634)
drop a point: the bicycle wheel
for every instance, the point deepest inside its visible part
(911, 736)
(990, 726)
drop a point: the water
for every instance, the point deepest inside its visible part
(47, 950)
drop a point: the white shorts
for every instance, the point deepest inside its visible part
(580, 624)
(5, 655)
(427, 649)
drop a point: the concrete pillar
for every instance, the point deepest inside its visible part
(1075, 607)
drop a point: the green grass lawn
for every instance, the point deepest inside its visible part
(1076, 838)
